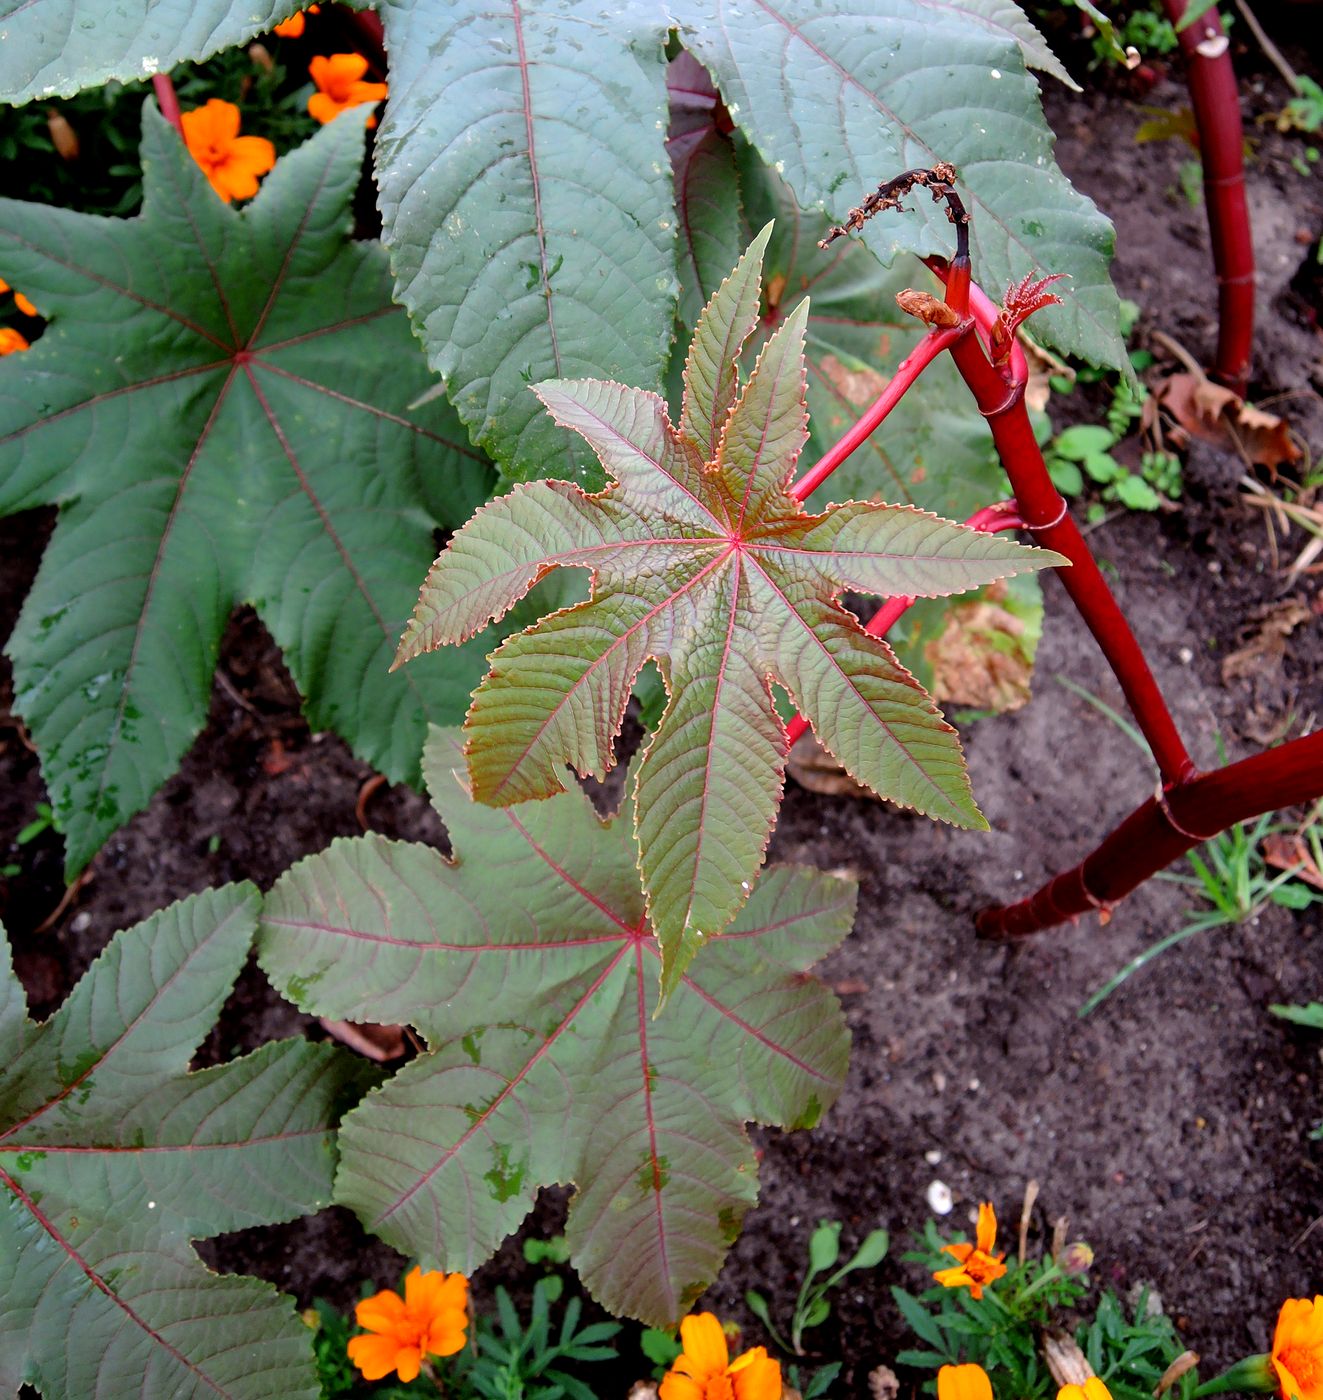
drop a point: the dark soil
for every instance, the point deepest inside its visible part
(1170, 1126)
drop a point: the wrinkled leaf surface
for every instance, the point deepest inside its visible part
(529, 965)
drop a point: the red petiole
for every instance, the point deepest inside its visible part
(1189, 806)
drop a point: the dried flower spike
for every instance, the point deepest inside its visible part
(977, 1266)
(430, 1320)
(704, 1370)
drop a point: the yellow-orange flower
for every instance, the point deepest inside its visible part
(340, 86)
(1297, 1348)
(704, 1370)
(969, 1382)
(292, 28)
(11, 340)
(428, 1321)
(1092, 1389)
(20, 301)
(977, 1266)
(230, 162)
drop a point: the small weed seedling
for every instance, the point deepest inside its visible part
(813, 1306)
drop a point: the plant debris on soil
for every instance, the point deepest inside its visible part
(1171, 1125)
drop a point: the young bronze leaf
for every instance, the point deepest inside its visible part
(702, 561)
(113, 1158)
(529, 966)
(221, 409)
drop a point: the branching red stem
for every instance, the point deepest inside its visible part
(910, 368)
(1162, 830)
(167, 100)
(1216, 102)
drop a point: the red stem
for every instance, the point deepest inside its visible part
(1048, 520)
(909, 369)
(1154, 835)
(1216, 102)
(167, 101)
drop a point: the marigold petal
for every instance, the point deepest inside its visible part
(1297, 1348)
(12, 341)
(347, 67)
(254, 153)
(676, 1386)
(291, 28)
(4, 286)
(985, 1232)
(968, 1382)
(408, 1362)
(383, 1312)
(374, 1356)
(756, 1376)
(704, 1346)
(24, 305)
(360, 93)
(1094, 1389)
(960, 1251)
(323, 108)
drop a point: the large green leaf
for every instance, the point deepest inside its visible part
(220, 407)
(524, 179)
(527, 205)
(529, 966)
(702, 561)
(841, 97)
(113, 1158)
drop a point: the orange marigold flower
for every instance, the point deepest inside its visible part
(1297, 1348)
(969, 1382)
(340, 86)
(428, 1321)
(704, 1370)
(20, 301)
(977, 1265)
(1092, 1389)
(292, 28)
(11, 340)
(230, 162)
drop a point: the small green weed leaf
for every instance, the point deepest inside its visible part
(703, 562)
(113, 1158)
(220, 407)
(528, 965)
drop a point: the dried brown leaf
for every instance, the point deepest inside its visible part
(1219, 415)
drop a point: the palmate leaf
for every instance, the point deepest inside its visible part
(528, 965)
(220, 407)
(523, 175)
(703, 562)
(113, 1158)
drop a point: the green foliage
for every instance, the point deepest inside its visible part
(1231, 872)
(514, 272)
(1131, 1352)
(527, 1361)
(812, 1305)
(999, 1331)
(1304, 112)
(529, 968)
(702, 561)
(1310, 1015)
(1086, 451)
(113, 1157)
(221, 408)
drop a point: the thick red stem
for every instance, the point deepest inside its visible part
(909, 369)
(1216, 102)
(167, 101)
(1163, 829)
(1045, 513)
